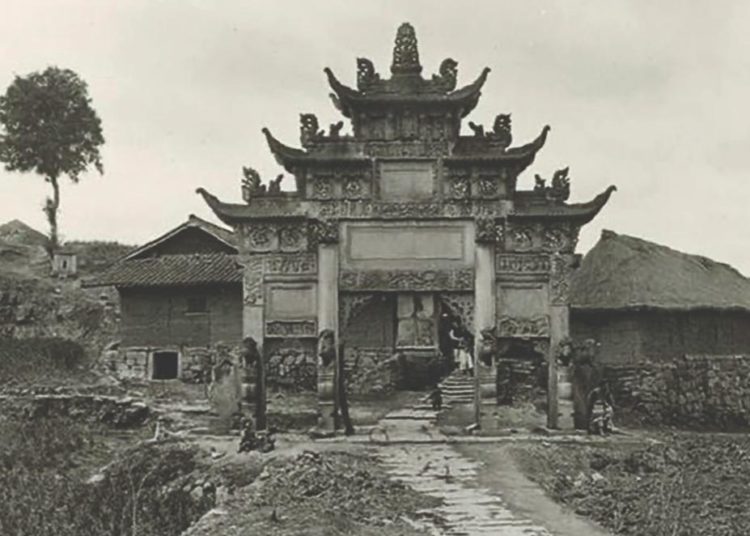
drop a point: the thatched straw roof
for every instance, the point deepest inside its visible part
(623, 272)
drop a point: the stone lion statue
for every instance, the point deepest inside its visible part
(326, 347)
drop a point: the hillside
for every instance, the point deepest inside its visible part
(33, 303)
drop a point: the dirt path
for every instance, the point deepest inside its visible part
(482, 491)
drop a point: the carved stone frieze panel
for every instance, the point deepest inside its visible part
(562, 267)
(252, 280)
(523, 328)
(266, 237)
(411, 210)
(412, 280)
(292, 237)
(292, 263)
(510, 263)
(408, 148)
(521, 238)
(291, 328)
(459, 187)
(487, 187)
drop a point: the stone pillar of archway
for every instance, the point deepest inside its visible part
(484, 313)
(328, 314)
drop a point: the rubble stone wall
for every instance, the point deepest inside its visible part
(292, 365)
(371, 370)
(520, 379)
(696, 391)
(134, 362)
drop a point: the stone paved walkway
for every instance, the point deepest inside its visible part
(438, 470)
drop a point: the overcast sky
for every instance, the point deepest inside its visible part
(650, 96)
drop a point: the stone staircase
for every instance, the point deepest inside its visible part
(458, 388)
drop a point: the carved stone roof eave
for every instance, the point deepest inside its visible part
(291, 158)
(579, 213)
(522, 157)
(260, 209)
(465, 98)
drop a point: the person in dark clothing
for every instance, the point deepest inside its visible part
(436, 398)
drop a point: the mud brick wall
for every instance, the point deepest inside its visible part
(371, 370)
(157, 317)
(695, 391)
(630, 337)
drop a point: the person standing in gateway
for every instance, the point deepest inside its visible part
(462, 355)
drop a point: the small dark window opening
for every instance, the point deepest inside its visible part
(197, 304)
(165, 366)
(65, 264)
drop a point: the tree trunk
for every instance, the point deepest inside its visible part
(50, 209)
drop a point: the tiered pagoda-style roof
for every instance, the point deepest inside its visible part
(404, 117)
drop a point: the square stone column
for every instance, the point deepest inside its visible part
(253, 318)
(328, 314)
(484, 318)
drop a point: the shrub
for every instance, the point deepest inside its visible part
(24, 359)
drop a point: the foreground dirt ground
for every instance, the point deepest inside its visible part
(686, 484)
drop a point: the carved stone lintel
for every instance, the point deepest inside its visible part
(523, 328)
(325, 231)
(291, 328)
(413, 280)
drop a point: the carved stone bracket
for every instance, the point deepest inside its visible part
(291, 328)
(523, 328)
(325, 231)
(414, 280)
(489, 231)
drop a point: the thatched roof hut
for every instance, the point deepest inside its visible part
(626, 273)
(645, 301)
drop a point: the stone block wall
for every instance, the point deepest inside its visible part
(695, 391)
(133, 363)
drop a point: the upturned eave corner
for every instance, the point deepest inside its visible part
(284, 155)
(216, 206)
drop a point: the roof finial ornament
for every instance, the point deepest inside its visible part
(405, 52)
